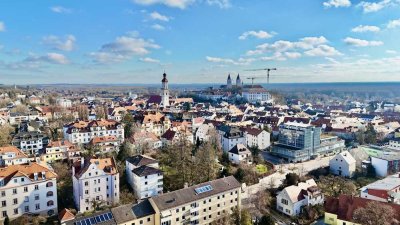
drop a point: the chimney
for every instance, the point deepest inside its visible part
(186, 185)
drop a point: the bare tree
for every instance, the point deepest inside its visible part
(375, 213)
(5, 135)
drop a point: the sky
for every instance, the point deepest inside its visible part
(198, 41)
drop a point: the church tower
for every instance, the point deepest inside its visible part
(229, 82)
(238, 81)
(165, 91)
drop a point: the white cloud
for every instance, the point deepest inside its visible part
(323, 50)
(157, 27)
(123, 48)
(181, 4)
(369, 7)
(240, 61)
(54, 58)
(2, 26)
(361, 43)
(337, 3)
(157, 16)
(60, 9)
(64, 44)
(277, 56)
(149, 60)
(223, 4)
(293, 55)
(362, 29)
(393, 24)
(311, 42)
(393, 52)
(257, 34)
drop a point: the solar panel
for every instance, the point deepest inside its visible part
(106, 216)
(88, 222)
(97, 219)
(92, 220)
(102, 218)
(110, 215)
(203, 189)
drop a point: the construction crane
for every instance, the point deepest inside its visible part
(252, 79)
(267, 69)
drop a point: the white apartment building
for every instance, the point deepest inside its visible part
(11, 155)
(240, 154)
(343, 164)
(256, 93)
(257, 137)
(17, 118)
(27, 189)
(230, 136)
(63, 102)
(95, 181)
(156, 123)
(200, 204)
(291, 199)
(144, 176)
(81, 132)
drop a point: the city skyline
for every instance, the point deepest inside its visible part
(198, 41)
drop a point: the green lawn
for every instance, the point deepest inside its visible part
(261, 169)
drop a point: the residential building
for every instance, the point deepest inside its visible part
(230, 136)
(27, 189)
(144, 176)
(343, 164)
(385, 163)
(203, 132)
(291, 199)
(384, 190)
(63, 102)
(142, 139)
(200, 204)
(17, 118)
(157, 123)
(240, 154)
(30, 142)
(174, 136)
(300, 142)
(11, 155)
(95, 181)
(82, 132)
(105, 144)
(59, 150)
(257, 138)
(256, 93)
(340, 211)
(141, 213)
(105, 217)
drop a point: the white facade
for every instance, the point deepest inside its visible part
(343, 164)
(257, 96)
(394, 144)
(381, 166)
(240, 154)
(228, 143)
(144, 176)
(32, 189)
(290, 200)
(261, 140)
(66, 103)
(83, 136)
(96, 181)
(12, 156)
(203, 131)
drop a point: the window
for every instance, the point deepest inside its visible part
(49, 194)
(36, 197)
(36, 187)
(25, 189)
(26, 199)
(26, 208)
(284, 201)
(15, 201)
(3, 193)
(14, 191)
(3, 203)
(16, 211)
(4, 213)
(37, 206)
(50, 203)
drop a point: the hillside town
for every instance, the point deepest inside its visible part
(226, 155)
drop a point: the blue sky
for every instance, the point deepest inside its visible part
(198, 41)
